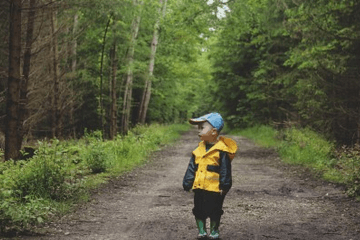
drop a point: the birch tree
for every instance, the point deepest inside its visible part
(129, 74)
(147, 88)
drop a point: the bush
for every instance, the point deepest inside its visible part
(348, 165)
(96, 158)
(61, 173)
(305, 147)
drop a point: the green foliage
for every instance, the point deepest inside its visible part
(96, 159)
(23, 215)
(265, 136)
(305, 147)
(287, 61)
(248, 58)
(62, 172)
(48, 174)
(347, 165)
(309, 149)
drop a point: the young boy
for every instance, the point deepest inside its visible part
(209, 173)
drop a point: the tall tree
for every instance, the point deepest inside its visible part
(127, 100)
(23, 111)
(73, 73)
(101, 77)
(113, 107)
(12, 137)
(56, 127)
(147, 89)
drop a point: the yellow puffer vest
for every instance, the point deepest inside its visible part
(209, 180)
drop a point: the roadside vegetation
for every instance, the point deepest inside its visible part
(309, 149)
(62, 172)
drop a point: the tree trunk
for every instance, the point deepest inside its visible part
(129, 74)
(113, 116)
(23, 111)
(101, 79)
(12, 137)
(73, 73)
(147, 89)
(56, 123)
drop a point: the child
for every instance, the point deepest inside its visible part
(209, 173)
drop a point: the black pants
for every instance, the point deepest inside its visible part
(208, 204)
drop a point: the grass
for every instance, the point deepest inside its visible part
(262, 135)
(309, 149)
(61, 173)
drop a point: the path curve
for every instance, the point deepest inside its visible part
(268, 200)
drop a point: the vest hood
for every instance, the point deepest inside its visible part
(224, 144)
(228, 145)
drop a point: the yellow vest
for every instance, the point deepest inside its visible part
(210, 180)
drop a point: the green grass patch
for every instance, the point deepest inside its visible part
(309, 149)
(62, 172)
(262, 135)
(305, 147)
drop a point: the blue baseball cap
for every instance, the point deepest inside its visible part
(214, 119)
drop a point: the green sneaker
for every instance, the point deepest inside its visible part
(214, 230)
(201, 225)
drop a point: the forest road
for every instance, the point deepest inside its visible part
(268, 200)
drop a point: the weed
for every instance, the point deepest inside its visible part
(61, 173)
(307, 148)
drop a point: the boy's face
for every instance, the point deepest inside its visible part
(207, 132)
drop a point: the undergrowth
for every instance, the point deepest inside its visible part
(307, 148)
(62, 172)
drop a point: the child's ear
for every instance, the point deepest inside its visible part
(214, 131)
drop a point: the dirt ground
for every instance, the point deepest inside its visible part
(268, 200)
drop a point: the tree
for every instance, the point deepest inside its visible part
(147, 88)
(113, 108)
(23, 108)
(12, 138)
(73, 72)
(129, 74)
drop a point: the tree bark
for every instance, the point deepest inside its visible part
(56, 123)
(101, 79)
(129, 75)
(113, 115)
(12, 137)
(147, 89)
(23, 111)
(73, 73)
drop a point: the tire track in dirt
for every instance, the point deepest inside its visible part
(268, 200)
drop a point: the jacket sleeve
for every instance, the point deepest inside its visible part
(225, 172)
(190, 174)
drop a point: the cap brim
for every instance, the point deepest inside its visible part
(195, 121)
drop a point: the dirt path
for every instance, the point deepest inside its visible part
(268, 201)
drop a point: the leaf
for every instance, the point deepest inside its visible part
(40, 220)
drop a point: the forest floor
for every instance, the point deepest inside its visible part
(268, 200)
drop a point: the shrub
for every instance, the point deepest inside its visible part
(96, 158)
(348, 165)
(59, 173)
(305, 147)
(48, 174)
